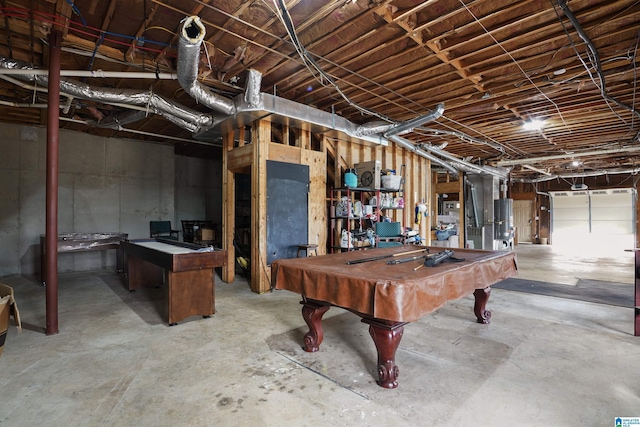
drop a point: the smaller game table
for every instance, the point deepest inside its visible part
(186, 269)
(385, 296)
(82, 242)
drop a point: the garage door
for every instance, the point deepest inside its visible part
(592, 220)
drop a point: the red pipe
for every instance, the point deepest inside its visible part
(636, 329)
(51, 240)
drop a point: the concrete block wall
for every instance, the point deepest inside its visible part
(105, 185)
(198, 190)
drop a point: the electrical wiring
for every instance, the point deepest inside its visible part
(312, 65)
(75, 27)
(584, 65)
(595, 56)
(557, 108)
(464, 137)
(408, 101)
(157, 27)
(283, 14)
(632, 58)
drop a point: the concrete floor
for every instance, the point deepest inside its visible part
(543, 361)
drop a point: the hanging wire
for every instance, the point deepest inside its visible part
(595, 56)
(633, 52)
(593, 59)
(517, 64)
(316, 71)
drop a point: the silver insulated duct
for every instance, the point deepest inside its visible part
(253, 105)
(180, 115)
(191, 36)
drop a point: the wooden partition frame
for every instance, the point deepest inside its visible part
(252, 158)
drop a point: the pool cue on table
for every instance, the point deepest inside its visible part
(403, 260)
(375, 258)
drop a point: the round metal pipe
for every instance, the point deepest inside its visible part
(51, 233)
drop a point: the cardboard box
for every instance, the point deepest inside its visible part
(8, 307)
(369, 174)
(205, 234)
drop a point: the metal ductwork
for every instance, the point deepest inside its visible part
(373, 128)
(409, 125)
(253, 105)
(466, 138)
(191, 35)
(390, 129)
(466, 166)
(410, 146)
(243, 109)
(633, 171)
(180, 115)
(118, 120)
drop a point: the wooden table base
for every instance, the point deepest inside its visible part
(386, 335)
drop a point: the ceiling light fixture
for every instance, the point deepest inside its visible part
(534, 124)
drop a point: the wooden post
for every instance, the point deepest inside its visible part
(261, 139)
(228, 209)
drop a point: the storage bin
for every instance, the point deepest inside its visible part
(391, 182)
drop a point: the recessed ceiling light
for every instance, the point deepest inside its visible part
(534, 124)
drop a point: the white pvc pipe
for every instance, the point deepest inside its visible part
(567, 156)
(96, 73)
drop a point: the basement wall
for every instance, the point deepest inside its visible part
(198, 190)
(105, 185)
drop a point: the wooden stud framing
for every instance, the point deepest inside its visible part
(260, 277)
(228, 209)
(253, 157)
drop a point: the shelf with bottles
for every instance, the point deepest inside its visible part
(351, 219)
(351, 203)
(390, 199)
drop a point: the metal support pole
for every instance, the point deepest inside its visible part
(51, 241)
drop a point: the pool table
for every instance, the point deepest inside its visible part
(186, 269)
(388, 296)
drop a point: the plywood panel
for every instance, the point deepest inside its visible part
(317, 198)
(417, 185)
(239, 158)
(284, 153)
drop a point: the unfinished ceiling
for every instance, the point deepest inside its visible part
(494, 64)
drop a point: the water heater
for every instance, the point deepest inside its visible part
(503, 219)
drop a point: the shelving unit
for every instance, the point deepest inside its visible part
(342, 215)
(341, 219)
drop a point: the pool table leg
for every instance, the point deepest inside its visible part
(481, 297)
(386, 337)
(312, 312)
